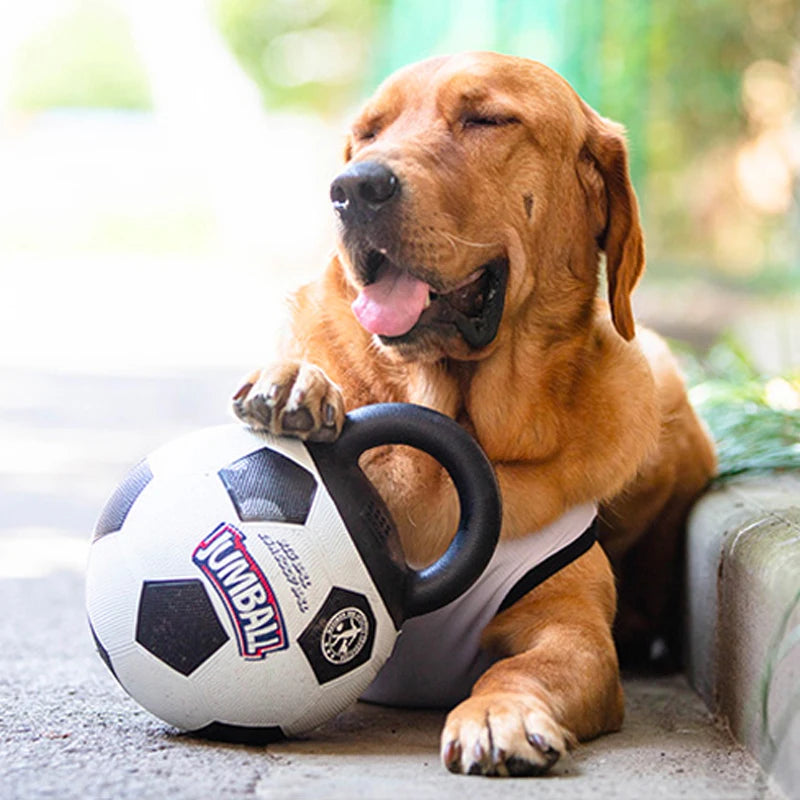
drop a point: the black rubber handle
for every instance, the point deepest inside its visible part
(474, 479)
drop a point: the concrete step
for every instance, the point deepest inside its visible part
(744, 616)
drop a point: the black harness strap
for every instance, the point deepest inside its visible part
(541, 572)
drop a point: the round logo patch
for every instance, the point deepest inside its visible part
(344, 635)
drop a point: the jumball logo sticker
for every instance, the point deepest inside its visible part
(254, 611)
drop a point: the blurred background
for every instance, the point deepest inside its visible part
(165, 165)
(164, 171)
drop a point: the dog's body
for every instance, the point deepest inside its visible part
(479, 193)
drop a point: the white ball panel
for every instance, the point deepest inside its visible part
(165, 693)
(110, 585)
(259, 693)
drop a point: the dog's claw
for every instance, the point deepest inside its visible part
(452, 755)
(242, 392)
(544, 747)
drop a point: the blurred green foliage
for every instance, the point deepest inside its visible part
(308, 54)
(754, 419)
(84, 58)
(687, 118)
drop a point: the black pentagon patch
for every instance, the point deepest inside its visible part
(341, 635)
(120, 503)
(177, 624)
(266, 486)
(102, 652)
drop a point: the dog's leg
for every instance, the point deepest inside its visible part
(559, 683)
(643, 529)
(293, 398)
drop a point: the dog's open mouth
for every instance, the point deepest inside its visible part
(395, 304)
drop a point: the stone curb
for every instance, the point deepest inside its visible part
(743, 580)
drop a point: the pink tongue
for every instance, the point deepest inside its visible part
(392, 304)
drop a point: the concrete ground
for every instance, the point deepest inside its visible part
(68, 730)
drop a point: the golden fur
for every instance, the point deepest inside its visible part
(568, 401)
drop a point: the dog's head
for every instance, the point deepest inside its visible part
(477, 194)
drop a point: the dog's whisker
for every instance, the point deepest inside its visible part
(453, 239)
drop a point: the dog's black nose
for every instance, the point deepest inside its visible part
(363, 188)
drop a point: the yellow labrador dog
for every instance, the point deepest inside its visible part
(478, 195)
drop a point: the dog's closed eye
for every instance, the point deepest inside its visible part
(475, 120)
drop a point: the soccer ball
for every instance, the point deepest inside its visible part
(223, 588)
(240, 583)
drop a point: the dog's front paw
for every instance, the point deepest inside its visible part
(292, 398)
(503, 733)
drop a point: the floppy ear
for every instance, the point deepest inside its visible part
(619, 232)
